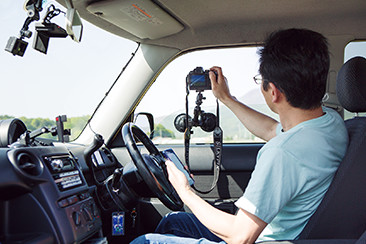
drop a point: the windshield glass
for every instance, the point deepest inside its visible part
(71, 79)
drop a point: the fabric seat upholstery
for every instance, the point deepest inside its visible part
(342, 213)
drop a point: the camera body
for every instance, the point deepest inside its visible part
(199, 79)
(16, 46)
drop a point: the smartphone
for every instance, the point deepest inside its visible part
(169, 154)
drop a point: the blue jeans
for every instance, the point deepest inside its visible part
(179, 228)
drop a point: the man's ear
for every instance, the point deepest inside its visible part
(276, 94)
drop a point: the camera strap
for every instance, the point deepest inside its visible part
(217, 137)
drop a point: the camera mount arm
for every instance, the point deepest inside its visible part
(33, 8)
(28, 138)
(197, 117)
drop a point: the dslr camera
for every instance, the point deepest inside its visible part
(199, 79)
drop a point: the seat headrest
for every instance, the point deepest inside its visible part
(351, 85)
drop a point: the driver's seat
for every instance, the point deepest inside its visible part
(342, 213)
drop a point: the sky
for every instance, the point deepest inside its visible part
(71, 79)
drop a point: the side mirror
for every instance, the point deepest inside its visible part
(145, 121)
(74, 26)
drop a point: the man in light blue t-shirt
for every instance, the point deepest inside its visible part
(293, 171)
(294, 168)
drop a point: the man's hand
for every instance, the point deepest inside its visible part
(240, 228)
(177, 179)
(257, 123)
(219, 85)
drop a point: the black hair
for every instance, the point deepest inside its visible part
(296, 61)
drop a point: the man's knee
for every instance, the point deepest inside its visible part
(170, 220)
(158, 239)
(140, 240)
(176, 216)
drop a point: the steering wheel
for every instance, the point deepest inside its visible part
(151, 167)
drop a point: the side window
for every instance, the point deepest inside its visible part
(166, 99)
(354, 49)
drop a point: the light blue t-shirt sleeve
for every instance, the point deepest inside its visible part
(273, 183)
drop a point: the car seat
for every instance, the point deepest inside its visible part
(342, 212)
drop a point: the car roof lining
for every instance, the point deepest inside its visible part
(239, 21)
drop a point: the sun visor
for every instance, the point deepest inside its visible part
(141, 18)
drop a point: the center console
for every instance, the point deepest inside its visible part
(58, 204)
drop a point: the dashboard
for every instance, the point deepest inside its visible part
(45, 197)
(65, 192)
(46, 192)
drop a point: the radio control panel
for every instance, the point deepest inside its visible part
(64, 171)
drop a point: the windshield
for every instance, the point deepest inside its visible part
(71, 79)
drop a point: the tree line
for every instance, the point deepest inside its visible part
(76, 124)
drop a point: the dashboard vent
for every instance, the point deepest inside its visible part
(28, 164)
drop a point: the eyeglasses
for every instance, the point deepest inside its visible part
(258, 79)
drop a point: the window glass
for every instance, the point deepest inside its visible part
(166, 99)
(71, 79)
(354, 49)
